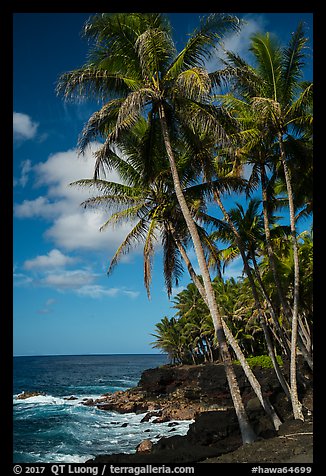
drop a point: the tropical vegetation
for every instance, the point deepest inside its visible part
(182, 138)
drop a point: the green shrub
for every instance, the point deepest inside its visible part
(263, 361)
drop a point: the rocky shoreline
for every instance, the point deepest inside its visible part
(200, 393)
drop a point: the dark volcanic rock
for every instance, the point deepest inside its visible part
(201, 393)
(210, 427)
(199, 443)
(24, 395)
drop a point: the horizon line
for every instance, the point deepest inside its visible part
(88, 354)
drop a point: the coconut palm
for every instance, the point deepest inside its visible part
(240, 232)
(283, 103)
(284, 261)
(250, 226)
(258, 150)
(146, 200)
(136, 70)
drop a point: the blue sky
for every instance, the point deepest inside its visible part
(63, 301)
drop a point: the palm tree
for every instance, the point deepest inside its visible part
(278, 98)
(250, 226)
(135, 68)
(242, 237)
(147, 201)
(157, 215)
(284, 261)
(258, 150)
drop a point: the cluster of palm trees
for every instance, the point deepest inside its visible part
(188, 337)
(179, 146)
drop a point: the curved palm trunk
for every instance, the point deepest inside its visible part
(265, 403)
(269, 247)
(248, 272)
(247, 432)
(287, 311)
(296, 405)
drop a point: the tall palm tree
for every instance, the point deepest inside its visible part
(258, 150)
(278, 97)
(149, 202)
(250, 227)
(146, 200)
(242, 237)
(136, 70)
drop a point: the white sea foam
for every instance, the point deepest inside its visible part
(90, 430)
(51, 400)
(41, 400)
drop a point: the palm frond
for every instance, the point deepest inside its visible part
(101, 123)
(89, 82)
(205, 119)
(155, 49)
(172, 264)
(131, 108)
(138, 233)
(122, 216)
(108, 201)
(116, 34)
(194, 83)
(199, 46)
(113, 188)
(300, 111)
(292, 63)
(268, 54)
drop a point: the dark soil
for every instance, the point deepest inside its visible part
(294, 444)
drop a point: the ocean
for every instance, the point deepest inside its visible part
(50, 429)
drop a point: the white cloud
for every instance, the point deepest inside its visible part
(49, 272)
(65, 279)
(72, 227)
(80, 230)
(23, 127)
(40, 207)
(97, 291)
(130, 294)
(53, 259)
(22, 280)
